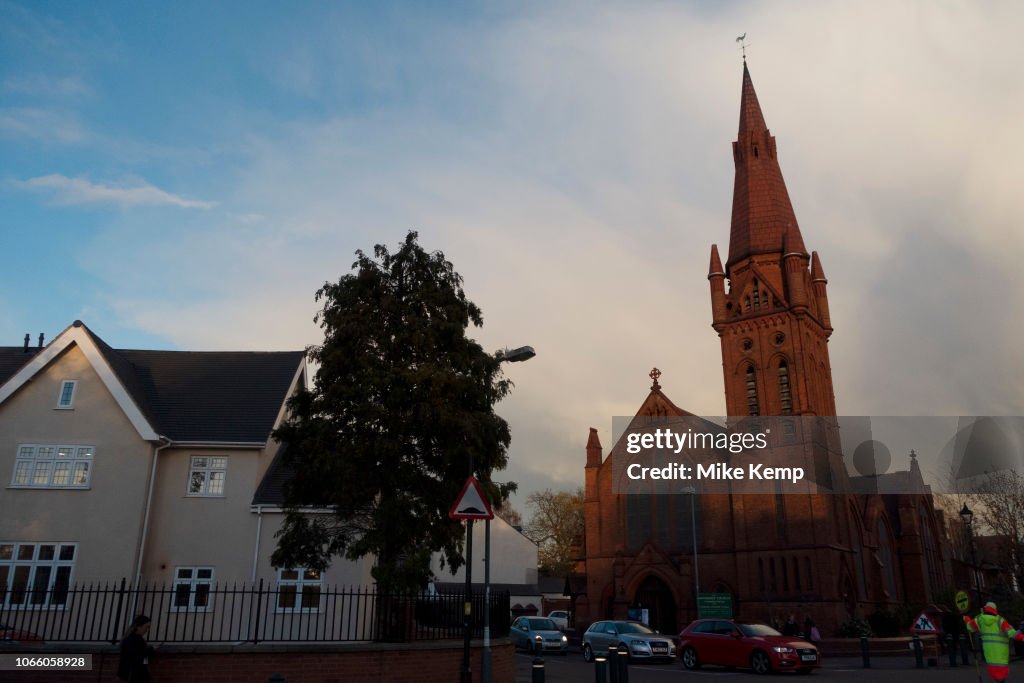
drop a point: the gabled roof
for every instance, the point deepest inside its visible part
(186, 396)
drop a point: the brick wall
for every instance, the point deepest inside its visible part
(406, 663)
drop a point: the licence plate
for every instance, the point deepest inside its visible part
(808, 658)
(660, 650)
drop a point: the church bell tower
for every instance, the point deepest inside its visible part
(769, 303)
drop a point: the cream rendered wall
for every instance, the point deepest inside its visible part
(105, 519)
(341, 573)
(199, 530)
(514, 556)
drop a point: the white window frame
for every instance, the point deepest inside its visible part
(62, 556)
(48, 466)
(300, 583)
(70, 405)
(197, 466)
(193, 581)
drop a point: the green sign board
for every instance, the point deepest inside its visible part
(962, 601)
(714, 606)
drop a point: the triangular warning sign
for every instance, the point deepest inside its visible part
(923, 624)
(471, 503)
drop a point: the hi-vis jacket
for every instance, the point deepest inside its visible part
(996, 633)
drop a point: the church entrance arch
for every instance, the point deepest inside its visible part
(656, 597)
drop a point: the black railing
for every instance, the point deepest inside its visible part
(242, 613)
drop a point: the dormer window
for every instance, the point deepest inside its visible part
(66, 398)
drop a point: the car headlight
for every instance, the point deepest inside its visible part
(539, 638)
(783, 650)
(640, 645)
(565, 639)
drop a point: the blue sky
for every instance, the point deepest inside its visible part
(186, 175)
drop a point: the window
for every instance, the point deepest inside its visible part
(785, 394)
(192, 588)
(66, 398)
(52, 467)
(751, 380)
(206, 475)
(35, 574)
(298, 590)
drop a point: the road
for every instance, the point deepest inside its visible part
(572, 669)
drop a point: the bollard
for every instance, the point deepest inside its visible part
(918, 652)
(275, 678)
(613, 664)
(951, 648)
(623, 665)
(538, 670)
(963, 650)
(600, 670)
(865, 652)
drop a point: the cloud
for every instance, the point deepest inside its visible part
(81, 191)
(41, 125)
(40, 85)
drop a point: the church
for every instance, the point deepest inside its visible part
(835, 556)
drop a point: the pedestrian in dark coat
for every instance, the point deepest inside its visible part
(135, 653)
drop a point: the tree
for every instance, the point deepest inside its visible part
(1002, 512)
(400, 412)
(556, 526)
(509, 514)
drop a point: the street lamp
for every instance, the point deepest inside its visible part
(693, 530)
(968, 517)
(517, 355)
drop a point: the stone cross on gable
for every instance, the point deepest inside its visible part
(654, 374)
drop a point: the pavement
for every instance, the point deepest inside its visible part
(572, 669)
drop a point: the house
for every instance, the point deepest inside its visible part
(153, 466)
(513, 569)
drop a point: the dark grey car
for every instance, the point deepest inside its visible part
(641, 641)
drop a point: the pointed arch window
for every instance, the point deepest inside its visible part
(785, 391)
(885, 556)
(751, 382)
(757, 296)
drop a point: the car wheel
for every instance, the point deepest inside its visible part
(690, 660)
(760, 663)
(588, 654)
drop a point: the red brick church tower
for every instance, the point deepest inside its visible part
(773, 321)
(830, 556)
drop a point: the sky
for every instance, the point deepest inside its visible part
(187, 175)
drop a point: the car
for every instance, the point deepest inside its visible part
(732, 643)
(538, 633)
(561, 618)
(641, 641)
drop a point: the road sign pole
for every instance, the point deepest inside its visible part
(467, 607)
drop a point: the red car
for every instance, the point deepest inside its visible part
(731, 643)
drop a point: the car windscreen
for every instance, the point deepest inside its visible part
(542, 625)
(758, 630)
(634, 628)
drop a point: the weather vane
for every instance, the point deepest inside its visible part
(743, 45)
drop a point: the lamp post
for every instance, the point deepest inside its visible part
(968, 518)
(693, 530)
(518, 355)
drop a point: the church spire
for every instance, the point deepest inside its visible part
(761, 210)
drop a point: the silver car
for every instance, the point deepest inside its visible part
(538, 634)
(641, 641)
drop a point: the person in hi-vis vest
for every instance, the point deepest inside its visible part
(996, 634)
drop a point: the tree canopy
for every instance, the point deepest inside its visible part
(556, 526)
(401, 405)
